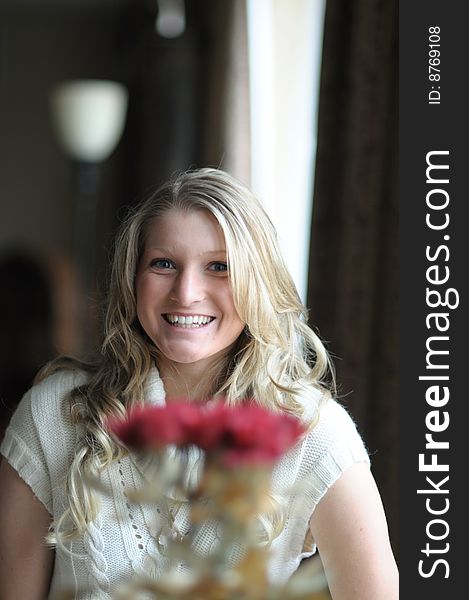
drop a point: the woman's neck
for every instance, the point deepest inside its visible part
(194, 381)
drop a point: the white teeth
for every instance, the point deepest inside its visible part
(189, 321)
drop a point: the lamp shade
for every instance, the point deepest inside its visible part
(171, 18)
(89, 117)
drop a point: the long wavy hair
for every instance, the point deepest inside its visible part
(278, 359)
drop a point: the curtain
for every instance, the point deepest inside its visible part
(353, 290)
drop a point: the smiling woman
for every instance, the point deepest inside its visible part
(200, 305)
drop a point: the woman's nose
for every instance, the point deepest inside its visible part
(188, 287)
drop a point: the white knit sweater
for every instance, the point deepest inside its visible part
(40, 444)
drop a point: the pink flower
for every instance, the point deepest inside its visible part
(256, 435)
(156, 426)
(246, 434)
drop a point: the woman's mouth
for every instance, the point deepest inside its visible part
(188, 321)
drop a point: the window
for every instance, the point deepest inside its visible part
(285, 45)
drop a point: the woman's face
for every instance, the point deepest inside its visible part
(184, 298)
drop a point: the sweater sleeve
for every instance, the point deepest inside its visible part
(33, 443)
(332, 447)
(303, 477)
(22, 447)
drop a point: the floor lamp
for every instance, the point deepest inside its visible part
(88, 116)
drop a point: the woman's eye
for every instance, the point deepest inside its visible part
(219, 267)
(161, 263)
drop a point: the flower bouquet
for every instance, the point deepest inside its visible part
(238, 448)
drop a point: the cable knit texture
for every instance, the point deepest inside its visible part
(40, 443)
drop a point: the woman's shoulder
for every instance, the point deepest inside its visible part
(331, 445)
(48, 399)
(60, 382)
(334, 432)
(323, 415)
(334, 414)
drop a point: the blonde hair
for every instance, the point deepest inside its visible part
(278, 359)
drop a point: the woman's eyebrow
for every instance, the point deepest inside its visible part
(171, 249)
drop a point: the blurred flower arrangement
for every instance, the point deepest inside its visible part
(240, 448)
